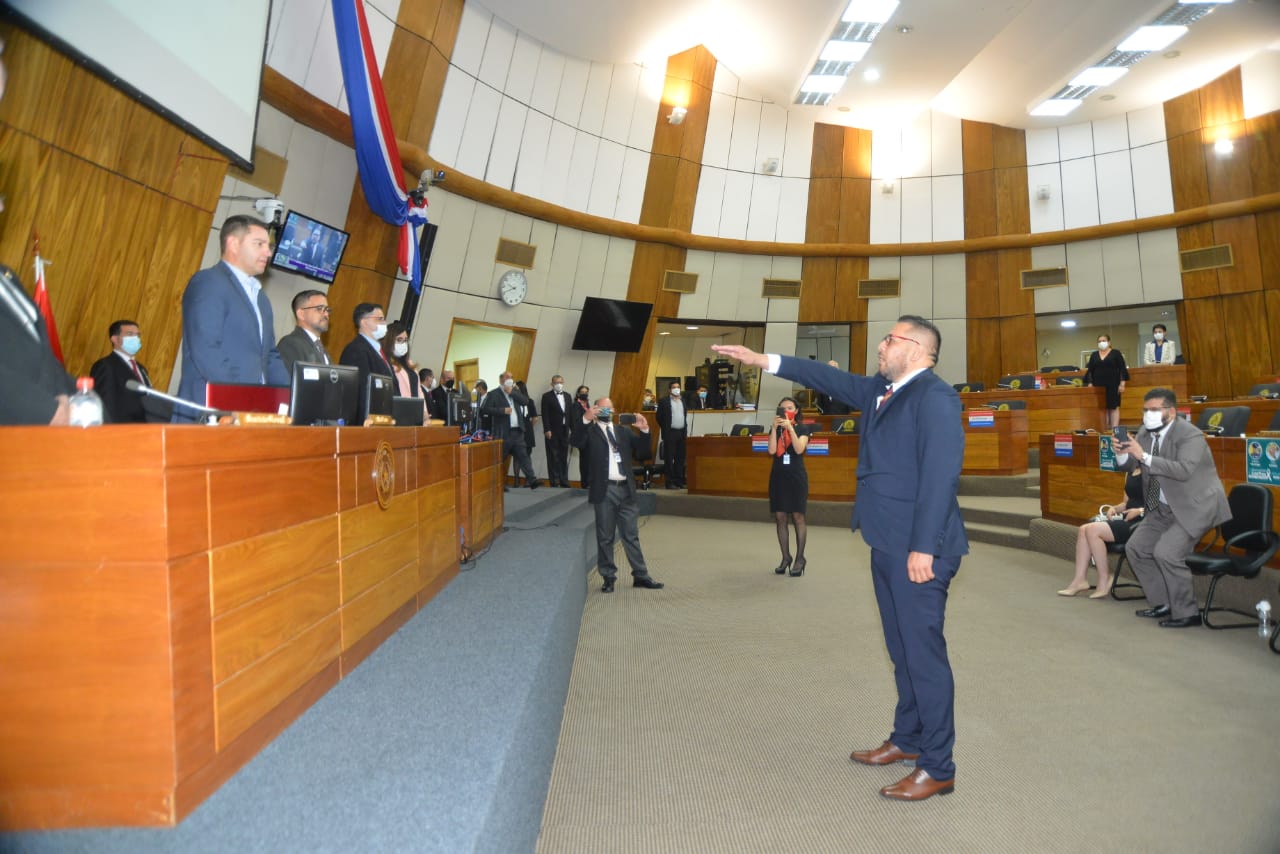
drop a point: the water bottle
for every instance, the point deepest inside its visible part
(86, 406)
(1264, 619)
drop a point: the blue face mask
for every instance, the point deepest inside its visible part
(605, 415)
(131, 344)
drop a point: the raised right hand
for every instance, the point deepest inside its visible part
(743, 354)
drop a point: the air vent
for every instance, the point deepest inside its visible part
(1048, 277)
(1209, 258)
(515, 254)
(781, 289)
(878, 288)
(680, 282)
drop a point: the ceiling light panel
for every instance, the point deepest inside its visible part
(1098, 76)
(1056, 107)
(1152, 38)
(823, 83)
(876, 11)
(844, 51)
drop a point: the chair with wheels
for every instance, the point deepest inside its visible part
(1265, 390)
(645, 469)
(1018, 381)
(964, 388)
(1224, 420)
(1247, 543)
(847, 426)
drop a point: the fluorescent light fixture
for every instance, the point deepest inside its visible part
(871, 75)
(1098, 76)
(870, 11)
(1223, 147)
(843, 51)
(1068, 324)
(827, 83)
(1201, 2)
(692, 328)
(1151, 38)
(664, 333)
(1056, 106)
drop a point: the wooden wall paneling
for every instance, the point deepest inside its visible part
(369, 524)
(827, 159)
(402, 75)
(1202, 283)
(982, 283)
(822, 223)
(1188, 170)
(520, 355)
(1271, 299)
(1245, 273)
(848, 306)
(419, 18)
(198, 174)
(1228, 177)
(688, 173)
(1268, 229)
(1013, 205)
(1013, 299)
(857, 154)
(102, 112)
(1018, 344)
(817, 289)
(980, 204)
(1249, 340)
(35, 70)
(982, 354)
(1204, 340)
(427, 102)
(1182, 114)
(655, 208)
(369, 567)
(189, 620)
(977, 146)
(375, 615)
(23, 164)
(447, 22)
(1222, 100)
(1008, 148)
(855, 210)
(858, 348)
(1264, 152)
(250, 569)
(186, 511)
(374, 243)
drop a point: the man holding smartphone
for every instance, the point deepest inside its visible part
(608, 453)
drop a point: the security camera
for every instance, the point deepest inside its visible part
(429, 178)
(272, 210)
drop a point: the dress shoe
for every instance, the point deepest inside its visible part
(885, 754)
(1073, 589)
(781, 569)
(607, 587)
(1153, 613)
(534, 484)
(1103, 591)
(917, 786)
(798, 568)
(646, 582)
(1181, 622)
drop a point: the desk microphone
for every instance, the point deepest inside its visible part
(139, 388)
(1003, 385)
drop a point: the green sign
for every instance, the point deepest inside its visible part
(1262, 460)
(1106, 454)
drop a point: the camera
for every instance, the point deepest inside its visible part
(272, 210)
(627, 419)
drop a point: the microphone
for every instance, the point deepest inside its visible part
(1003, 385)
(139, 388)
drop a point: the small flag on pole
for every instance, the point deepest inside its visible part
(46, 310)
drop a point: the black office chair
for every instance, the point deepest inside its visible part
(1069, 381)
(1057, 369)
(1007, 404)
(1248, 542)
(967, 387)
(1118, 549)
(746, 430)
(847, 426)
(1265, 390)
(1224, 420)
(647, 468)
(1018, 381)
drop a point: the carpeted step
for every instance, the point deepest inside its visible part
(1014, 485)
(999, 535)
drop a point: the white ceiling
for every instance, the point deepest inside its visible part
(986, 60)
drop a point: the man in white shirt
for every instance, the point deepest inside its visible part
(673, 419)
(557, 408)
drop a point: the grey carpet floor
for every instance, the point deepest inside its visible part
(717, 715)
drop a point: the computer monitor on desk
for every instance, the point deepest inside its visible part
(379, 392)
(324, 395)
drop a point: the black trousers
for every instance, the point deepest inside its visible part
(673, 448)
(618, 514)
(514, 446)
(558, 460)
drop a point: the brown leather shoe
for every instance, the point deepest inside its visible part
(885, 754)
(917, 786)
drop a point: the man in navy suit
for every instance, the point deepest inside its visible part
(364, 352)
(909, 461)
(228, 333)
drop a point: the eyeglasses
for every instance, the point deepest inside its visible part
(890, 338)
(321, 308)
(1160, 408)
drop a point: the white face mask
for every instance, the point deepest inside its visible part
(1102, 345)
(1153, 420)
(675, 392)
(401, 349)
(1159, 336)
(509, 384)
(559, 387)
(379, 331)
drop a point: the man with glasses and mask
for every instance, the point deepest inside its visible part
(365, 350)
(303, 344)
(1184, 499)
(909, 460)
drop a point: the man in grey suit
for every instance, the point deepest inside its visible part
(227, 327)
(1184, 499)
(303, 344)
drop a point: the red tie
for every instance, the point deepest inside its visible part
(888, 393)
(137, 373)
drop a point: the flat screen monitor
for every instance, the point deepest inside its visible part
(324, 395)
(459, 414)
(310, 248)
(378, 397)
(408, 411)
(612, 324)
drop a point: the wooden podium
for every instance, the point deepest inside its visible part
(172, 597)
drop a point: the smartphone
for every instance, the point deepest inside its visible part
(782, 413)
(1121, 433)
(626, 419)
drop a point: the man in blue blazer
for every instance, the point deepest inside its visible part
(228, 333)
(909, 460)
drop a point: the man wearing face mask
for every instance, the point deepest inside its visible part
(1184, 499)
(1160, 350)
(507, 409)
(699, 400)
(582, 400)
(365, 350)
(440, 396)
(557, 409)
(673, 419)
(113, 371)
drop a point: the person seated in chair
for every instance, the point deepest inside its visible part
(1092, 537)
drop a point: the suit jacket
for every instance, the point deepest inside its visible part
(368, 359)
(297, 346)
(221, 342)
(495, 402)
(31, 377)
(1168, 353)
(664, 413)
(121, 406)
(909, 458)
(693, 402)
(557, 420)
(595, 450)
(1185, 469)
(438, 402)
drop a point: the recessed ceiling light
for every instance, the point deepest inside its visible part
(664, 333)
(1151, 38)
(692, 328)
(870, 11)
(842, 109)
(1068, 324)
(1098, 76)
(843, 51)
(827, 83)
(871, 75)
(1106, 97)
(904, 29)
(1056, 107)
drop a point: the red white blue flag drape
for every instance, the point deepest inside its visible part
(377, 155)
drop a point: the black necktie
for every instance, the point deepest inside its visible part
(1151, 489)
(324, 357)
(613, 442)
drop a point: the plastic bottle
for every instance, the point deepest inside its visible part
(1264, 619)
(86, 406)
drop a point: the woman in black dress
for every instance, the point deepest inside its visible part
(1106, 368)
(788, 482)
(1092, 538)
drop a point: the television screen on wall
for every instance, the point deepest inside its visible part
(310, 247)
(614, 325)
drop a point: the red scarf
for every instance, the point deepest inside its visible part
(784, 441)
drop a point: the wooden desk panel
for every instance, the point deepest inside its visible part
(155, 645)
(1142, 380)
(1058, 409)
(997, 450)
(726, 465)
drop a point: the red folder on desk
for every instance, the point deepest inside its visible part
(247, 398)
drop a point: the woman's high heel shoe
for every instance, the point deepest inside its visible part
(798, 569)
(1072, 590)
(781, 569)
(1104, 590)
